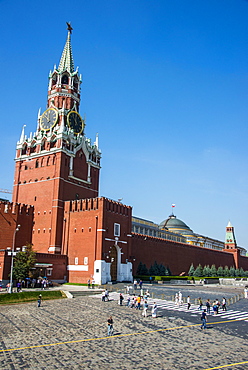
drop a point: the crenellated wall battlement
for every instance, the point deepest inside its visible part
(16, 208)
(93, 204)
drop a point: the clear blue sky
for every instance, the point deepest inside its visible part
(164, 84)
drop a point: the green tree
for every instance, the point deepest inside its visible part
(24, 262)
(161, 270)
(206, 271)
(226, 271)
(156, 268)
(198, 271)
(139, 268)
(213, 271)
(144, 270)
(220, 271)
(167, 271)
(232, 271)
(191, 270)
(151, 271)
(242, 273)
(237, 273)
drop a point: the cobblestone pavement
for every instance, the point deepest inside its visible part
(138, 343)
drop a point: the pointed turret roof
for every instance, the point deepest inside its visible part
(66, 61)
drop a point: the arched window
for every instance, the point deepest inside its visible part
(24, 149)
(36, 163)
(64, 80)
(43, 145)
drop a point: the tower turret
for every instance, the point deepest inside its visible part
(230, 241)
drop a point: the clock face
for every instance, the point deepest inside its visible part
(48, 119)
(75, 122)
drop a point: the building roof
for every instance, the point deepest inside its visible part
(174, 224)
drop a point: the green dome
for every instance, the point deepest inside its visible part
(177, 226)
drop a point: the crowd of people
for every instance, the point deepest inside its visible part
(140, 302)
(41, 283)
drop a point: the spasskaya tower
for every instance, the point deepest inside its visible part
(57, 162)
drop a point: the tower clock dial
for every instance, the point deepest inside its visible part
(48, 119)
(75, 122)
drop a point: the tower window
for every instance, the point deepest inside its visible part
(64, 80)
(117, 229)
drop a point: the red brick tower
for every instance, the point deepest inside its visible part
(57, 163)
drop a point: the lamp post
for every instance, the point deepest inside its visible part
(12, 259)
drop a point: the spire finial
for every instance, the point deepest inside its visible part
(66, 61)
(69, 27)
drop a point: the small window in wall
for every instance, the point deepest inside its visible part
(76, 260)
(49, 271)
(117, 229)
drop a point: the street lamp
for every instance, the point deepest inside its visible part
(12, 259)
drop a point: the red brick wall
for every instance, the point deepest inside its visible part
(177, 256)
(243, 262)
(12, 215)
(88, 223)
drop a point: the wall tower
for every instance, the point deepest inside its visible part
(230, 241)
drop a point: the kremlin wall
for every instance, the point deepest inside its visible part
(76, 234)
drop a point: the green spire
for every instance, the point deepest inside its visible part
(66, 61)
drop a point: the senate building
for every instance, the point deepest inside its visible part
(76, 234)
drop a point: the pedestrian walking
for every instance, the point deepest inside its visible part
(121, 299)
(180, 298)
(133, 302)
(208, 305)
(217, 305)
(128, 301)
(215, 308)
(154, 310)
(145, 308)
(39, 300)
(140, 284)
(204, 320)
(246, 292)
(138, 302)
(88, 284)
(176, 299)
(103, 296)
(106, 295)
(224, 304)
(110, 326)
(188, 302)
(200, 303)
(93, 284)
(147, 294)
(135, 284)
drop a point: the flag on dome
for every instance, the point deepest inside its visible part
(173, 205)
